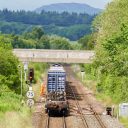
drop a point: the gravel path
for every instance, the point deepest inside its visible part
(111, 122)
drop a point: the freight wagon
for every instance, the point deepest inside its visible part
(56, 94)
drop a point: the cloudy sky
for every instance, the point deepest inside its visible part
(33, 4)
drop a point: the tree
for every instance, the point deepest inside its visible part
(36, 33)
(112, 50)
(69, 25)
(9, 77)
(87, 42)
(43, 43)
(59, 43)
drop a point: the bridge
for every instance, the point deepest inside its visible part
(59, 56)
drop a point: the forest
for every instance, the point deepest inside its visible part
(69, 25)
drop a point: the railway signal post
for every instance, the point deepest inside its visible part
(31, 75)
(30, 93)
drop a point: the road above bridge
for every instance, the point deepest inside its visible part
(60, 56)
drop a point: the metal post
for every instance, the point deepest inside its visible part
(25, 75)
(82, 75)
(25, 72)
(21, 81)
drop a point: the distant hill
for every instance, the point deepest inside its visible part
(70, 7)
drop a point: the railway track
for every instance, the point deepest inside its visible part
(80, 110)
(47, 122)
(50, 125)
(97, 117)
(64, 122)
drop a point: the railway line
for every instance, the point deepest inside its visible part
(50, 122)
(98, 118)
(80, 110)
(82, 115)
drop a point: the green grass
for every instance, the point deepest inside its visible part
(9, 101)
(13, 119)
(124, 122)
(12, 113)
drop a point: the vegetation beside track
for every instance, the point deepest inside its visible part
(112, 53)
(13, 107)
(10, 98)
(90, 81)
(40, 71)
(109, 70)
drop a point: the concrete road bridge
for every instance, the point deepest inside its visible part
(60, 56)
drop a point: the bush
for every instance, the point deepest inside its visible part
(8, 68)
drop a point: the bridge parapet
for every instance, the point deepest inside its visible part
(61, 56)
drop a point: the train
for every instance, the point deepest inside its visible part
(56, 90)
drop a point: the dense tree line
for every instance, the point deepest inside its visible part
(36, 39)
(45, 18)
(73, 32)
(14, 28)
(70, 25)
(111, 61)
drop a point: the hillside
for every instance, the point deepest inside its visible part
(70, 7)
(70, 25)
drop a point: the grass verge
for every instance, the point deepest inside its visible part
(12, 113)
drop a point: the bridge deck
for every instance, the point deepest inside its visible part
(61, 56)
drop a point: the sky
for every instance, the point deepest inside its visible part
(33, 4)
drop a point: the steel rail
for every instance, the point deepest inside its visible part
(64, 122)
(80, 110)
(98, 118)
(47, 122)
